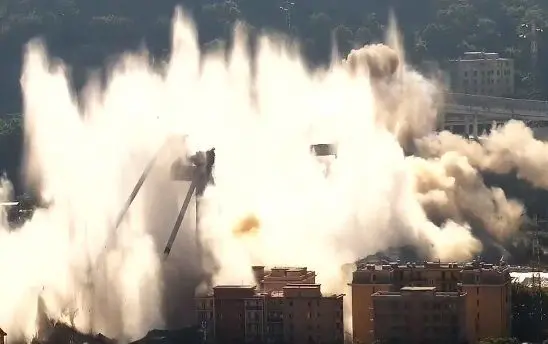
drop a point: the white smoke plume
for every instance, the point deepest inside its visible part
(273, 203)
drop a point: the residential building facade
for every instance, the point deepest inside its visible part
(482, 74)
(274, 313)
(419, 315)
(487, 289)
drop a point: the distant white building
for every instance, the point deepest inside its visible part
(526, 278)
(483, 74)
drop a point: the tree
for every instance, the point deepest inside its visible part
(529, 313)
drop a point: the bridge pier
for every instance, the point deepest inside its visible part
(475, 126)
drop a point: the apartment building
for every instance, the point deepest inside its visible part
(419, 315)
(274, 313)
(487, 289)
(488, 301)
(483, 74)
(231, 314)
(310, 317)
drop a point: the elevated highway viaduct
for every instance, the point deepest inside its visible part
(475, 115)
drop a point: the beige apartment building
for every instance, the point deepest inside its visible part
(419, 315)
(487, 290)
(481, 73)
(293, 311)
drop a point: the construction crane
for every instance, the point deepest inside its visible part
(20, 209)
(199, 173)
(198, 170)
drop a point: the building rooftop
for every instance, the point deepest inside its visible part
(467, 273)
(289, 268)
(474, 265)
(234, 291)
(421, 265)
(235, 286)
(290, 290)
(285, 273)
(302, 286)
(415, 291)
(418, 289)
(479, 55)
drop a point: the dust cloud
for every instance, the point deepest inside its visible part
(85, 154)
(509, 148)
